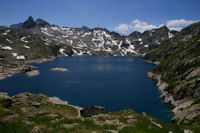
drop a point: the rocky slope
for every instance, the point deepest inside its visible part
(179, 67)
(27, 112)
(18, 48)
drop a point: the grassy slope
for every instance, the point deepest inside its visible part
(32, 112)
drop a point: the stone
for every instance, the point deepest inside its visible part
(68, 126)
(35, 129)
(187, 131)
(93, 110)
(5, 100)
(8, 111)
(57, 100)
(32, 73)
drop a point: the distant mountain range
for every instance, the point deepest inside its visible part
(97, 41)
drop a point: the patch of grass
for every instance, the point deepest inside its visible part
(15, 126)
(2, 112)
(17, 110)
(64, 110)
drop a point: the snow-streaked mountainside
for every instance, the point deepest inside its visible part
(97, 41)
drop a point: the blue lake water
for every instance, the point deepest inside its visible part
(115, 83)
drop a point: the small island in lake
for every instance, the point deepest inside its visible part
(32, 73)
(59, 69)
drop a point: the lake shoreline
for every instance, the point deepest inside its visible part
(26, 67)
(178, 105)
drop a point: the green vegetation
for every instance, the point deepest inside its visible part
(179, 66)
(37, 114)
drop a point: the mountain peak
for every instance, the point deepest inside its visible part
(163, 28)
(30, 18)
(30, 23)
(42, 23)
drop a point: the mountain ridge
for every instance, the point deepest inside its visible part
(179, 59)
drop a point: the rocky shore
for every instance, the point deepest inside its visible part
(32, 73)
(21, 67)
(183, 110)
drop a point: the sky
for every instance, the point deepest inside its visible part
(122, 16)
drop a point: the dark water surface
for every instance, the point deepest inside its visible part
(115, 83)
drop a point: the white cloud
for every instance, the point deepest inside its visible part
(123, 28)
(142, 26)
(178, 24)
(136, 25)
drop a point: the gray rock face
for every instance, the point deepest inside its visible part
(93, 110)
(30, 23)
(5, 100)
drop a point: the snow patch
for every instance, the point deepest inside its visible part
(21, 57)
(9, 40)
(61, 50)
(47, 34)
(7, 48)
(14, 54)
(22, 39)
(26, 46)
(170, 35)
(127, 41)
(131, 49)
(5, 33)
(44, 29)
(46, 43)
(86, 34)
(146, 46)
(55, 28)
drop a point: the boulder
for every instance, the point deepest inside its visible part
(93, 110)
(5, 100)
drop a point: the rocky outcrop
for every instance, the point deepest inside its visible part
(185, 111)
(93, 110)
(33, 73)
(9, 71)
(5, 100)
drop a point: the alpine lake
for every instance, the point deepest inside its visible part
(115, 83)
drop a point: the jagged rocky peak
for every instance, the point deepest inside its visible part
(42, 23)
(162, 30)
(30, 23)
